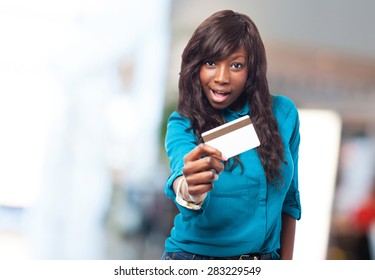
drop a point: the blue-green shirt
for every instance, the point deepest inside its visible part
(242, 214)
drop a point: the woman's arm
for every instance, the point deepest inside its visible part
(287, 237)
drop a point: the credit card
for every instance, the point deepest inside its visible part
(233, 138)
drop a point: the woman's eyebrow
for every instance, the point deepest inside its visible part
(237, 56)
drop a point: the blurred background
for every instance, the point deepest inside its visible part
(86, 88)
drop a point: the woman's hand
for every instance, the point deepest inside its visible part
(201, 168)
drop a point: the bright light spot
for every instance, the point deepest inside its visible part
(318, 162)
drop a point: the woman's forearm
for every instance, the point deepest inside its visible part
(287, 237)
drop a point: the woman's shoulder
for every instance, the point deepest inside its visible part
(282, 101)
(283, 106)
(178, 126)
(177, 120)
(175, 116)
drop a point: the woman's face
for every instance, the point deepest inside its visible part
(223, 81)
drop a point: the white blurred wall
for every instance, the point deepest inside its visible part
(67, 118)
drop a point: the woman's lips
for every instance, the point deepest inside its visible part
(219, 96)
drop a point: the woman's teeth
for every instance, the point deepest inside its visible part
(219, 96)
(220, 92)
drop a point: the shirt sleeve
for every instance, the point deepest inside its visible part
(292, 204)
(179, 141)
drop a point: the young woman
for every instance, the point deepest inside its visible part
(244, 207)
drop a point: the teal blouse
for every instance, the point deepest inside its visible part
(242, 214)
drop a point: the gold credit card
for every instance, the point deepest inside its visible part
(233, 138)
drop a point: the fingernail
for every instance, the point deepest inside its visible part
(216, 177)
(224, 157)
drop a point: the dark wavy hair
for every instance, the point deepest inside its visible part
(217, 37)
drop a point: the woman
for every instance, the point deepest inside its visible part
(244, 207)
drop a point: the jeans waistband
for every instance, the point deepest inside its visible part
(251, 256)
(190, 256)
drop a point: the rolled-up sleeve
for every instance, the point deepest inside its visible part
(292, 204)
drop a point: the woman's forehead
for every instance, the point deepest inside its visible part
(227, 51)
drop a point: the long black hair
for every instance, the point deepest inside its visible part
(217, 37)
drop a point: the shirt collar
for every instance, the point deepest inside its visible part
(231, 115)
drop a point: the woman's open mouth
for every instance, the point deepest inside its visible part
(219, 96)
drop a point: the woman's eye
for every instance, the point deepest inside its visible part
(237, 65)
(210, 63)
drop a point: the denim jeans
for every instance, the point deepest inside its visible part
(190, 256)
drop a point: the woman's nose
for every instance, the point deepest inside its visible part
(222, 74)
